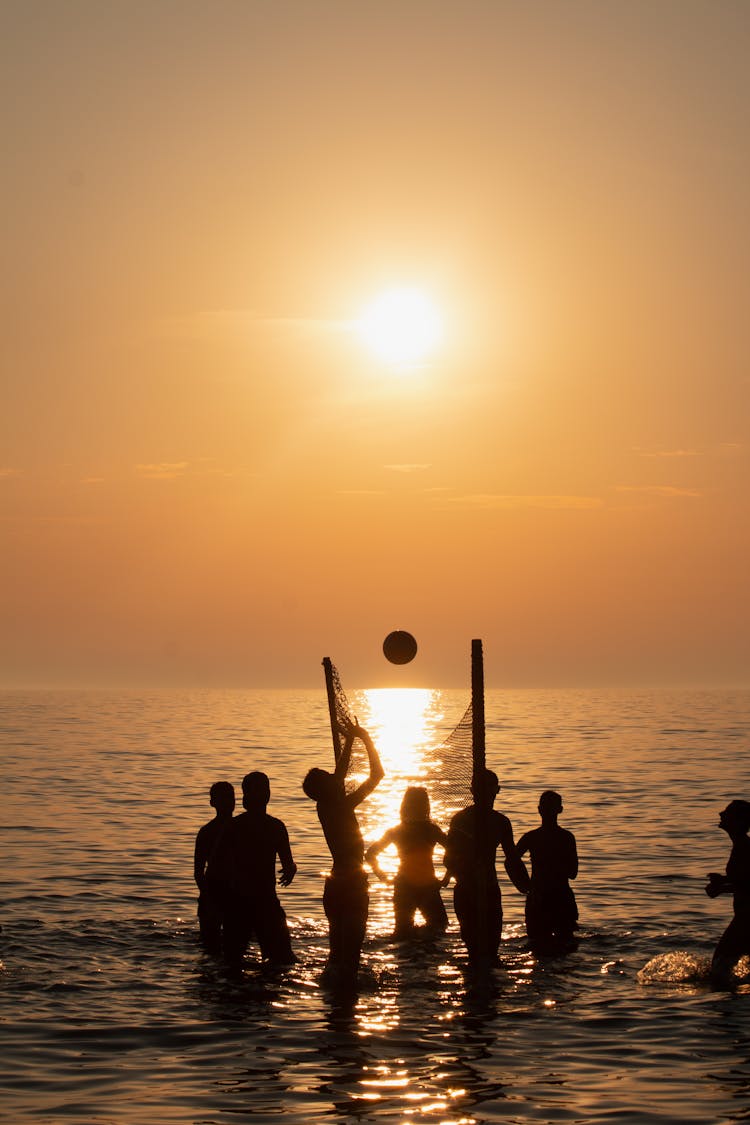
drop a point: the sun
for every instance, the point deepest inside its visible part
(401, 326)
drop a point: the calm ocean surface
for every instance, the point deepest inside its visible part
(110, 1012)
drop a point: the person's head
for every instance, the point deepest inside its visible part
(221, 798)
(484, 788)
(318, 784)
(256, 790)
(550, 803)
(735, 818)
(415, 804)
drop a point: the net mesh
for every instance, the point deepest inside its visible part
(340, 713)
(456, 758)
(451, 781)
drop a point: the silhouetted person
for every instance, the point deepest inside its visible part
(735, 941)
(551, 910)
(345, 896)
(415, 887)
(254, 842)
(470, 858)
(210, 870)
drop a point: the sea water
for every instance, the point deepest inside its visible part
(111, 1013)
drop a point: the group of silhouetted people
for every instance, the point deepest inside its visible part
(235, 862)
(236, 857)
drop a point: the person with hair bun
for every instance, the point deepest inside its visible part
(734, 943)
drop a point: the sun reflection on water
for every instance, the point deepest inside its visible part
(404, 724)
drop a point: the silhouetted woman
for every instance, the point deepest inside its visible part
(415, 887)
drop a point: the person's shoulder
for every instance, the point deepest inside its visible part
(204, 833)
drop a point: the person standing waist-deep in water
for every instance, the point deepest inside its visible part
(474, 835)
(551, 910)
(345, 896)
(254, 842)
(416, 886)
(210, 868)
(734, 943)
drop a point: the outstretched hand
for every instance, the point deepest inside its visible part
(286, 877)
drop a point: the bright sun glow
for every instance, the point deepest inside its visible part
(401, 326)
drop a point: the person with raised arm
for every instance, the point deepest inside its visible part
(345, 896)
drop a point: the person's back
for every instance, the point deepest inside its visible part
(254, 842)
(210, 867)
(551, 909)
(474, 836)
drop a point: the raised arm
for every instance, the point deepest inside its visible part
(376, 769)
(349, 731)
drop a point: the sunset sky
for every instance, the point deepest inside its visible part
(208, 476)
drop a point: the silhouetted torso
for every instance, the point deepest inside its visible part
(554, 858)
(341, 830)
(254, 841)
(473, 839)
(415, 841)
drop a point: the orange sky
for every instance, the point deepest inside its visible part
(204, 478)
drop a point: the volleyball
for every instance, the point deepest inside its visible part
(399, 647)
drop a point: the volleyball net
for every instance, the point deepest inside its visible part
(457, 758)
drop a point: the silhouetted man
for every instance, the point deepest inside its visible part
(470, 858)
(345, 896)
(254, 841)
(551, 910)
(735, 941)
(210, 870)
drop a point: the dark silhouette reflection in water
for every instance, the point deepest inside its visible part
(408, 1047)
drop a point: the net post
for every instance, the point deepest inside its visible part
(478, 756)
(331, 693)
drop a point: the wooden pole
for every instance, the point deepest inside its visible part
(331, 693)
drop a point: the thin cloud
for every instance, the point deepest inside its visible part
(510, 502)
(10, 472)
(667, 452)
(668, 491)
(162, 470)
(407, 468)
(360, 492)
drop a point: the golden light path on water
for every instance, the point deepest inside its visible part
(404, 724)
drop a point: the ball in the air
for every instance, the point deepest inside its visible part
(399, 647)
